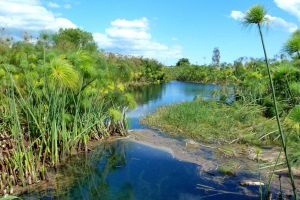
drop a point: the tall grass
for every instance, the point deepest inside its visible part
(257, 15)
(48, 123)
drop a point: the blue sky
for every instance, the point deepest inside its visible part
(163, 29)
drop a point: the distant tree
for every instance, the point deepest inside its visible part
(183, 62)
(224, 64)
(68, 39)
(216, 57)
(293, 44)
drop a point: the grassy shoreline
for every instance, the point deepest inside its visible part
(214, 122)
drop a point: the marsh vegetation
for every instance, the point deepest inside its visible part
(58, 92)
(56, 95)
(266, 106)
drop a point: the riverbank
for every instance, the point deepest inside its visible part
(52, 173)
(219, 161)
(214, 122)
(210, 159)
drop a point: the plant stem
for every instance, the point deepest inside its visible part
(282, 136)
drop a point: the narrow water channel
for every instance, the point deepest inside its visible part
(126, 169)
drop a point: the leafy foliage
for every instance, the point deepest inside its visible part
(183, 62)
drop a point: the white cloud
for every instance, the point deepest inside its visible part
(291, 6)
(31, 16)
(281, 23)
(53, 5)
(103, 40)
(237, 15)
(128, 33)
(138, 23)
(273, 22)
(132, 37)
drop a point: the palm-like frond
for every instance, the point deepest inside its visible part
(286, 70)
(85, 63)
(294, 115)
(293, 44)
(63, 74)
(255, 15)
(115, 114)
(258, 15)
(295, 88)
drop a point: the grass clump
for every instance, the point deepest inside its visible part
(226, 170)
(214, 122)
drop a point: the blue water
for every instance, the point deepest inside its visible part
(128, 170)
(153, 96)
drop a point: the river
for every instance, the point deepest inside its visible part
(127, 169)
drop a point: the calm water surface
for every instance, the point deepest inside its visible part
(129, 170)
(150, 97)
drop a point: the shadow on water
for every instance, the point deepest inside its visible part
(128, 170)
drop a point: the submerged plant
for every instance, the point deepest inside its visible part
(257, 15)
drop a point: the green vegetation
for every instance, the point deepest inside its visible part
(183, 62)
(201, 74)
(257, 15)
(264, 89)
(58, 93)
(228, 169)
(293, 44)
(210, 121)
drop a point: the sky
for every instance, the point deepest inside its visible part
(166, 30)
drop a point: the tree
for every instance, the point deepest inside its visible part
(257, 15)
(70, 39)
(216, 57)
(183, 62)
(293, 44)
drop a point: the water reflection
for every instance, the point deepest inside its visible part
(126, 170)
(148, 93)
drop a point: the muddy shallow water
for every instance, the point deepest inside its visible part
(152, 165)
